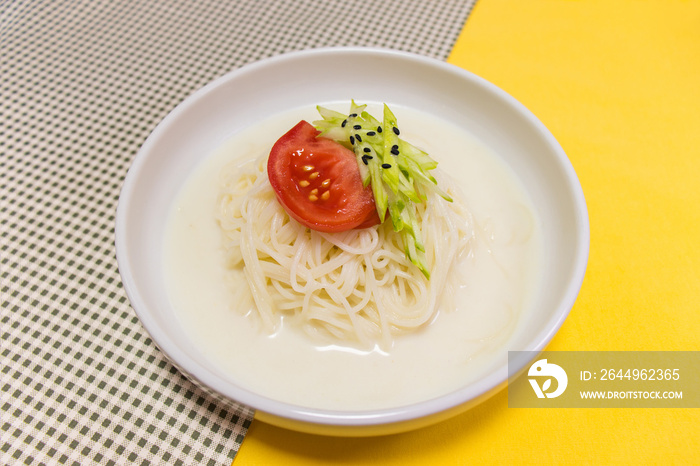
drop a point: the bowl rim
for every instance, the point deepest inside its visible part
(493, 381)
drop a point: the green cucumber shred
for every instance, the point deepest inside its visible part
(398, 172)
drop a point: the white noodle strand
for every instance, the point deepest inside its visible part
(353, 287)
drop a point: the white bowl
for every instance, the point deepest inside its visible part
(207, 118)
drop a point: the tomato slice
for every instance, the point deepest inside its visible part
(318, 182)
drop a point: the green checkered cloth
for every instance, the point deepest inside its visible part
(82, 85)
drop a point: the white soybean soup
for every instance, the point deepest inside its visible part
(500, 277)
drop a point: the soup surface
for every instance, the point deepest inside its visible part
(500, 278)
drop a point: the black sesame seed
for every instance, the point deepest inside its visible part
(352, 141)
(395, 147)
(367, 149)
(396, 130)
(353, 115)
(364, 160)
(395, 151)
(357, 127)
(371, 133)
(386, 165)
(345, 122)
(379, 129)
(359, 139)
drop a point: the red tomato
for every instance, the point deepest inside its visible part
(318, 183)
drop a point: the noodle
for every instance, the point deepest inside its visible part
(353, 286)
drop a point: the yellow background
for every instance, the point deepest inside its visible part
(618, 84)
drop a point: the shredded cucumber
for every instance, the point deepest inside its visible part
(397, 171)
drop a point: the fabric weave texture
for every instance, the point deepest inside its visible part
(83, 84)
